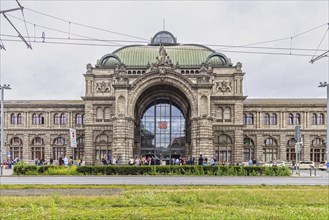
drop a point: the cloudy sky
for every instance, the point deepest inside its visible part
(54, 69)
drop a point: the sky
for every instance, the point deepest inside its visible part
(259, 34)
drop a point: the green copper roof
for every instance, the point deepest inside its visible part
(141, 55)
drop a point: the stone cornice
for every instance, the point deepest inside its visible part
(121, 86)
(97, 98)
(239, 74)
(241, 98)
(59, 105)
(103, 76)
(204, 86)
(88, 75)
(283, 130)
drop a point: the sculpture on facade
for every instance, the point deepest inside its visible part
(163, 61)
(224, 86)
(121, 74)
(103, 87)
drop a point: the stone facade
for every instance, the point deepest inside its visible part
(204, 85)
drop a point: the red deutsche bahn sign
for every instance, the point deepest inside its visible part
(162, 125)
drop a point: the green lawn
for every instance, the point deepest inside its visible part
(172, 202)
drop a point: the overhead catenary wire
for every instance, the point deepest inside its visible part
(114, 45)
(129, 41)
(220, 49)
(57, 30)
(320, 42)
(250, 44)
(87, 26)
(27, 31)
(281, 39)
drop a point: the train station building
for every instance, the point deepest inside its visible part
(165, 100)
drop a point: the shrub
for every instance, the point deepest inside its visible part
(152, 170)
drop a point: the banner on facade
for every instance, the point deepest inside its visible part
(73, 137)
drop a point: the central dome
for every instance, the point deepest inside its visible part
(141, 56)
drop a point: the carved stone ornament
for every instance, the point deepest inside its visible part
(223, 86)
(205, 69)
(120, 69)
(163, 61)
(122, 80)
(121, 75)
(203, 79)
(103, 87)
(89, 67)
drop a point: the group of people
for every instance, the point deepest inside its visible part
(114, 161)
(154, 160)
(10, 162)
(43, 161)
(203, 161)
(66, 161)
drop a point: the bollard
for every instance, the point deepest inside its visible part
(310, 171)
(314, 171)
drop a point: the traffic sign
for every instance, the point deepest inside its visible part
(327, 164)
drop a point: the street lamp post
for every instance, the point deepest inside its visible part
(325, 84)
(2, 88)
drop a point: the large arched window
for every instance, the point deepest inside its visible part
(250, 119)
(224, 149)
(13, 119)
(266, 119)
(56, 119)
(35, 120)
(274, 119)
(78, 119)
(107, 114)
(248, 149)
(63, 119)
(314, 119)
(227, 114)
(59, 148)
(321, 119)
(16, 148)
(219, 113)
(270, 150)
(37, 149)
(99, 114)
(103, 147)
(291, 152)
(41, 119)
(290, 119)
(297, 119)
(19, 119)
(162, 129)
(79, 151)
(318, 149)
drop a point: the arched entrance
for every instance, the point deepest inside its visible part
(162, 123)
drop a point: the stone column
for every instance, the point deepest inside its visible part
(238, 146)
(89, 141)
(282, 151)
(123, 131)
(259, 148)
(26, 148)
(89, 147)
(204, 137)
(48, 146)
(194, 138)
(306, 148)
